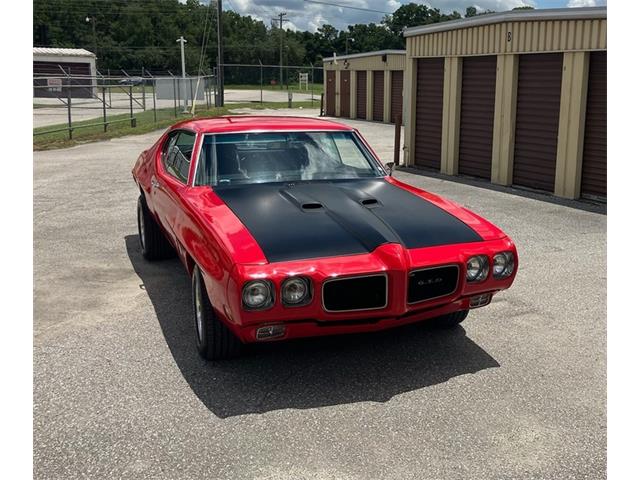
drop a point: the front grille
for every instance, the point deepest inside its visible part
(355, 293)
(430, 283)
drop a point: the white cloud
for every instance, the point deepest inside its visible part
(581, 3)
(309, 16)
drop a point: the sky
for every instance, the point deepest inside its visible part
(304, 15)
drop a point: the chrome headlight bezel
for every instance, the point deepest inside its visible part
(268, 293)
(508, 265)
(306, 297)
(482, 268)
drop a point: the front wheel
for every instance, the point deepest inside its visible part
(450, 320)
(213, 339)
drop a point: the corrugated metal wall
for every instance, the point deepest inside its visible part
(537, 115)
(53, 69)
(378, 95)
(345, 94)
(394, 62)
(396, 94)
(428, 127)
(330, 101)
(594, 159)
(476, 116)
(361, 94)
(512, 37)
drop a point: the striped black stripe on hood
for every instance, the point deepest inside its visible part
(323, 219)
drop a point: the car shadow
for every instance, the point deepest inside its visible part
(307, 373)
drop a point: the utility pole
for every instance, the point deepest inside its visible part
(281, 19)
(220, 79)
(95, 38)
(348, 41)
(182, 41)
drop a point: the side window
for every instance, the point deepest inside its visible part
(177, 157)
(168, 148)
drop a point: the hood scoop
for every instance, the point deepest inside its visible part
(303, 201)
(369, 202)
(312, 206)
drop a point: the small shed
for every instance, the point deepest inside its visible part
(59, 72)
(365, 85)
(516, 98)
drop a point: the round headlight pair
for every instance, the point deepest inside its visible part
(296, 291)
(257, 294)
(477, 268)
(503, 264)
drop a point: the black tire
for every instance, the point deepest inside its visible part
(451, 320)
(213, 339)
(153, 243)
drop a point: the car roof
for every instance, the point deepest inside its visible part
(245, 123)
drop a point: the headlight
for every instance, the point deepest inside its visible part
(295, 291)
(503, 264)
(477, 268)
(257, 294)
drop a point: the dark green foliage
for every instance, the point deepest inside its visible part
(132, 34)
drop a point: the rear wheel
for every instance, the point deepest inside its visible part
(450, 320)
(213, 339)
(153, 243)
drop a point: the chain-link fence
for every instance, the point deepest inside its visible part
(75, 106)
(272, 83)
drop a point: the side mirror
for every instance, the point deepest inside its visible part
(390, 166)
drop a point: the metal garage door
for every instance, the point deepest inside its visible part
(378, 95)
(594, 159)
(345, 93)
(361, 94)
(428, 132)
(396, 94)
(58, 70)
(476, 116)
(331, 93)
(538, 110)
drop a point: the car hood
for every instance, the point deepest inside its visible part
(305, 220)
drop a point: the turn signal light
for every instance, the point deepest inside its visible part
(270, 332)
(480, 300)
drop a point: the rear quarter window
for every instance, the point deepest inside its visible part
(177, 154)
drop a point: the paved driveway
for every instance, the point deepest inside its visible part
(120, 392)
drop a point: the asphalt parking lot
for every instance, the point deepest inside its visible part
(120, 392)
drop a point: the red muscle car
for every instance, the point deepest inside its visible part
(292, 227)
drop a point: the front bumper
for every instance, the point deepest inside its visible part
(392, 259)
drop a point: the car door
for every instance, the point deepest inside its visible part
(172, 178)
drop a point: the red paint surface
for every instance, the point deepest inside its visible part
(206, 232)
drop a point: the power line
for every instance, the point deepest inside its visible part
(348, 6)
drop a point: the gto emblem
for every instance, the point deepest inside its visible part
(430, 281)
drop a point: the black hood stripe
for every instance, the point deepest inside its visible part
(323, 219)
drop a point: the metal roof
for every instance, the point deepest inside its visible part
(62, 52)
(366, 54)
(511, 16)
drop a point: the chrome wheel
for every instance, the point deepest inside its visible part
(197, 303)
(141, 226)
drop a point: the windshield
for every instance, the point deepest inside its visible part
(245, 158)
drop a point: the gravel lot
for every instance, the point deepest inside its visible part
(120, 392)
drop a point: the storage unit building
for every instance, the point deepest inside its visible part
(365, 85)
(55, 68)
(517, 98)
